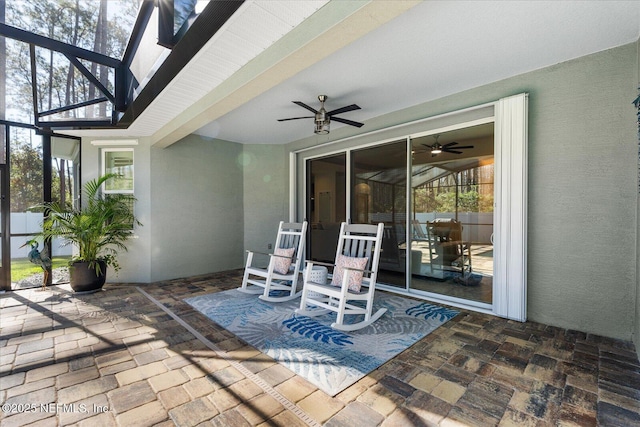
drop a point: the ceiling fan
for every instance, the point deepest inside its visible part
(322, 117)
(451, 147)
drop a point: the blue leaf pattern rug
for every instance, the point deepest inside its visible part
(332, 360)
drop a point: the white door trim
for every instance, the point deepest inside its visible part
(510, 213)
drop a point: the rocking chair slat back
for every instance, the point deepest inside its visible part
(283, 284)
(357, 241)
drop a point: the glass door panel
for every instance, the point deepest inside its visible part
(30, 186)
(452, 213)
(65, 187)
(326, 205)
(378, 194)
(27, 189)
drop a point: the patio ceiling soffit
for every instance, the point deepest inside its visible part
(332, 27)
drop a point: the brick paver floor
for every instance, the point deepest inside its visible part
(138, 355)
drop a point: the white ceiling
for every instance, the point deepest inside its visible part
(434, 49)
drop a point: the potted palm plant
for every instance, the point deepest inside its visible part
(99, 229)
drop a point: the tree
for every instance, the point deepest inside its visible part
(57, 82)
(74, 22)
(26, 173)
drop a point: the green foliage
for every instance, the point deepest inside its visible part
(99, 229)
(26, 176)
(27, 173)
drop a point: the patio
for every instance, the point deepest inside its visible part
(138, 355)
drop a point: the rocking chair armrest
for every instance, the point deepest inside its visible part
(257, 252)
(357, 269)
(269, 254)
(326, 264)
(283, 256)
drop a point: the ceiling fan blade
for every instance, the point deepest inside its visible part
(450, 144)
(343, 109)
(451, 151)
(303, 105)
(296, 118)
(463, 147)
(347, 122)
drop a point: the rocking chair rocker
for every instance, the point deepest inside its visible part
(284, 266)
(354, 278)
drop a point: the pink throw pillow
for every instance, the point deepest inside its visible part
(280, 264)
(355, 278)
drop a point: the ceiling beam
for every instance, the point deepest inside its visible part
(212, 18)
(57, 46)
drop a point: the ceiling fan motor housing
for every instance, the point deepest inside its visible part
(322, 117)
(322, 120)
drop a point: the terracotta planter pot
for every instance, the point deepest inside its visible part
(84, 279)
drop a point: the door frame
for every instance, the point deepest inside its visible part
(510, 116)
(5, 237)
(5, 190)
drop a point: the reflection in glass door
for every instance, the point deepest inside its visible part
(378, 194)
(326, 205)
(437, 210)
(452, 214)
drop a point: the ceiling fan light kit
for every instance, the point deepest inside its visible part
(322, 118)
(322, 127)
(451, 147)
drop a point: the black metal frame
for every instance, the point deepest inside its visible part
(5, 214)
(5, 192)
(212, 18)
(191, 37)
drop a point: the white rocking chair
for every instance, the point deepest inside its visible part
(284, 265)
(357, 242)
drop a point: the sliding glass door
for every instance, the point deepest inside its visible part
(379, 194)
(454, 207)
(446, 240)
(452, 197)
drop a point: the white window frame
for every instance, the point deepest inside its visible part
(104, 169)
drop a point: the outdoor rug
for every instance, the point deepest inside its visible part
(332, 360)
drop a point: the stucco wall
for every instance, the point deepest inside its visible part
(266, 182)
(196, 208)
(135, 263)
(583, 196)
